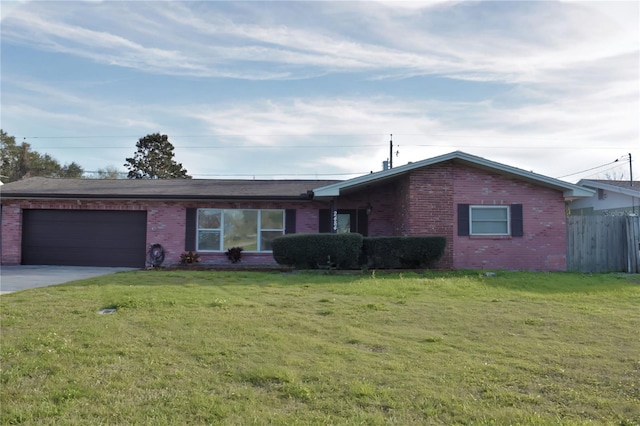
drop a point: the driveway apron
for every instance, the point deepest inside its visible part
(22, 277)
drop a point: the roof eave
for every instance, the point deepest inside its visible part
(569, 190)
(151, 197)
(576, 194)
(611, 188)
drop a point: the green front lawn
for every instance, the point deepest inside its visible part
(201, 347)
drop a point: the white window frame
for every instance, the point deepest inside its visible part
(481, 207)
(259, 229)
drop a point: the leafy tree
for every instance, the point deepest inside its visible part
(154, 160)
(109, 172)
(72, 170)
(19, 162)
(8, 152)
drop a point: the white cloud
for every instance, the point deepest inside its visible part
(208, 40)
(570, 73)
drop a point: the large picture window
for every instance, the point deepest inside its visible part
(489, 220)
(253, 230)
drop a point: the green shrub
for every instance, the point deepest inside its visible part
(189, 257)
(318, 251)
(234, 254)
(402, 252)
(349, 251)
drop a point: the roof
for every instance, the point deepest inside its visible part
(630, 188)
(570, 191)
(237, 189)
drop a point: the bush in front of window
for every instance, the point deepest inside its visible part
(311, 251)
(402, 252)
(234, 254)
(189, 257)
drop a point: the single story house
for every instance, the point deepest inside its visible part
(613, 197)
(492, 215)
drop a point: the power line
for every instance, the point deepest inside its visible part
(593, 168)
(322, 146)
(381, 135)
(226, 147)
(212, 135)
(98, 172)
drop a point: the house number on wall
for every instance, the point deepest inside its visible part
(335, 220)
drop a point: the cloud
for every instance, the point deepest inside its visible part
(216, 40)
(567, 71)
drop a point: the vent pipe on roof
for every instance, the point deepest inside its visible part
(385, 165)
(391, 151)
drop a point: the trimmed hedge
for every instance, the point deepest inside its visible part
(318, 251)
(351, 251)
(402, 252)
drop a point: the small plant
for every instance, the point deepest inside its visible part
(331, 265)
(189, 257)
(234, 254)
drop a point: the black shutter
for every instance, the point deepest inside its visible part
(190, 229)
(353, 219)
(363, 223)
(290, 221)
(463, 220)
(324, 223)
(517, 228)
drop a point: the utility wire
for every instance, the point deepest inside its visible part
(602, 171)
(593, 168)
(97, 172)
(322, 146)
(282, 135)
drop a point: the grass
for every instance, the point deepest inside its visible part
(201, 347)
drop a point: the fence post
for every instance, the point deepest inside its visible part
(633, 244)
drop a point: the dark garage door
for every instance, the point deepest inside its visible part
(84, 238)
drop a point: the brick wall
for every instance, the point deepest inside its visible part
(165, 223)
(425, 203)
(431, 206)
(543, 246)
(384, 199)
(11, 228)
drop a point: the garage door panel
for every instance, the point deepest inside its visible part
(84, 237)
(78, 257)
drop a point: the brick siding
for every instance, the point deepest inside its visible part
(165, 224)
(543, 246)
(422, 202)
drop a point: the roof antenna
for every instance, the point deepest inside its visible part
(391, 152)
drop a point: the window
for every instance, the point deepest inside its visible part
(489, 220)
(343, 220)
(494, 220)
(253, 230)
(343, 223)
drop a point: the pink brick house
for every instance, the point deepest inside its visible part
(493, 216)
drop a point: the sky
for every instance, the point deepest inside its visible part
(315, 89)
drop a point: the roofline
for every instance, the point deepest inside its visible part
(301, 197)
(613, 188)
(570, 191)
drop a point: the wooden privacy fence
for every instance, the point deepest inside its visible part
(603, 244)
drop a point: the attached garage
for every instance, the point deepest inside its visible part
(84, 237)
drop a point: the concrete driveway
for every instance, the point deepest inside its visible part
(22, 277)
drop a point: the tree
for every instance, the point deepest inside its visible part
(154, 160)
(110, 172)
(20, 162)
(8, 159)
